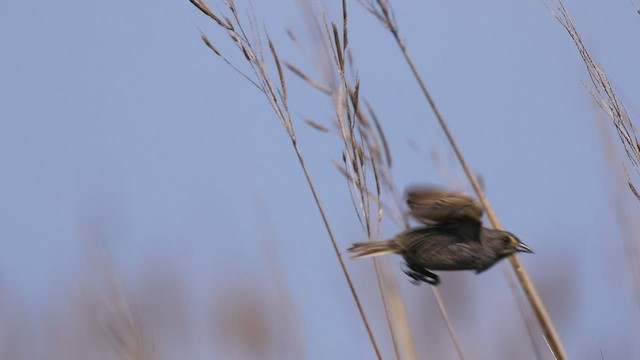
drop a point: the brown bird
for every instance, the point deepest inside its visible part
(453, 238)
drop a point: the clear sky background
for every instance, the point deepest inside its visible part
(127, 148)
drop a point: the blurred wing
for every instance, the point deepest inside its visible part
(446, 209)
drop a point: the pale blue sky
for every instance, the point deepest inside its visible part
(116, 122)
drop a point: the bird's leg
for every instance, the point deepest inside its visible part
(431, 278)
(419, 274)
(414, 275)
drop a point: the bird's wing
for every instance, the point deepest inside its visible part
(449, 210)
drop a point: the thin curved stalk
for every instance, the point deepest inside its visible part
(345, 271)
(384, 13)
(277, 95)
(523, 277)
(447, 321)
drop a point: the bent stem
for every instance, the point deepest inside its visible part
(277, 95)
(384, 13)
(345, 271)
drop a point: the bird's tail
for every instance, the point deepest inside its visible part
(376, 248)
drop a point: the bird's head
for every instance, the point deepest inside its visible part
(508, 244)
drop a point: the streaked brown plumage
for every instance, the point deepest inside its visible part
(453, 238)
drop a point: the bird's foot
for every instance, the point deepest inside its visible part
(415, 277)
(422, 275)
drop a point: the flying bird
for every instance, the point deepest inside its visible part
(451, 238)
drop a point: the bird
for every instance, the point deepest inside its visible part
(451, 237)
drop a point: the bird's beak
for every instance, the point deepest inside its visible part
(524, 248)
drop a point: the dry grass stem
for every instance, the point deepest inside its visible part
(363, 164)
(629, 229)
(358, 157)
(364, 146)
(381, 9)
(604, 95)
(278, 98)
(524, 314)
(403, 332)
(447, 321)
